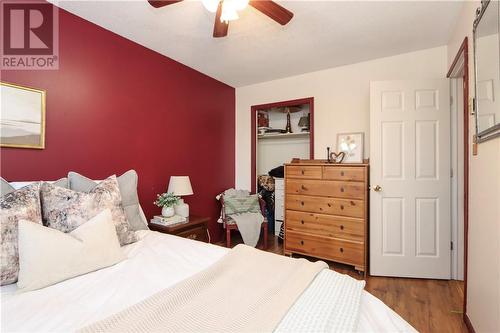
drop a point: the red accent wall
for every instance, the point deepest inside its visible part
(114, 105)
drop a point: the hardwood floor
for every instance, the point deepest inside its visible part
(428, 305)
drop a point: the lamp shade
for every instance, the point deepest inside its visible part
(180, 185)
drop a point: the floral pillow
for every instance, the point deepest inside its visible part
(65, 209)
(23, 204)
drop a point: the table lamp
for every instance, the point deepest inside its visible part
(180, 186)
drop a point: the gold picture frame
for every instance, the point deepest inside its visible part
(22, 120)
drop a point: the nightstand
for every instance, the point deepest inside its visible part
(196, 227)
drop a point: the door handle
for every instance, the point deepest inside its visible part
(377, 188)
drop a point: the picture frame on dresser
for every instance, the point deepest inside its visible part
(353, 145)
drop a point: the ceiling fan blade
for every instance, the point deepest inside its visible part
(220, 28)
(273, 10)
(162, 3)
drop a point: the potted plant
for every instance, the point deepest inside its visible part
(167, 201)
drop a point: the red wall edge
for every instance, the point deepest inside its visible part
(114, 105)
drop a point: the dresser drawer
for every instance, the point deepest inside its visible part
(325, 225)
(328, 188)
(333, 206)
(199, 233)
(344, 173)
(324, 247)
(303, 172)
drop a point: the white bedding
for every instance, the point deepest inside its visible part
(154, 263)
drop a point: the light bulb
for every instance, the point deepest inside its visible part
(211, 5)
(228, 12)
(238, 4)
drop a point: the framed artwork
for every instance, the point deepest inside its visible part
(352, 144)
(22, 120)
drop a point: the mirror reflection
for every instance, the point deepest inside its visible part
(487, 48)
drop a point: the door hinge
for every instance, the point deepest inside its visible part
(451, 245)
(451, 100)
(451, 173)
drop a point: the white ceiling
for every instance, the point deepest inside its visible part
(322, 34)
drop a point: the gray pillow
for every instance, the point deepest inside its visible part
(23, 204)
(65, 209)
(6, 188)
(128, 190)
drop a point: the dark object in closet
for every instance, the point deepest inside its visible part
(262, 119)
(278, 172)
(266, 192)
(281, 236)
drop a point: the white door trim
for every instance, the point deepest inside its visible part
(457, 182)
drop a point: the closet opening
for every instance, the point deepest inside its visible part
(280, 132)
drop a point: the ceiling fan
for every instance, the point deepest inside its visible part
(227, 10)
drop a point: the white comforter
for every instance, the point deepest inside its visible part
(154, 263)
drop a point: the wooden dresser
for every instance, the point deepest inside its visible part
(326, 211)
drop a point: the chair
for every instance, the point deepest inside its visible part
(229, 224)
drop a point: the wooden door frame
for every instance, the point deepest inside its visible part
(463, 53)
(253, 130)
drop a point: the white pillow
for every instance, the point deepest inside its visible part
(48, 256)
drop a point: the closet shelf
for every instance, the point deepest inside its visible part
(283, 135)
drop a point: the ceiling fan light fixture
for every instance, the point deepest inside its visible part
(228, 12)
(210, 5)
(237, 4)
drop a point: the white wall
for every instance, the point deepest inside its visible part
(273, 152)
(483, 273)
(341, 99)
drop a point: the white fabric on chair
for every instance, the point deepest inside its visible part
(249, 225)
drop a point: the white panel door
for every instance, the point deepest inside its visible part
(410, 216)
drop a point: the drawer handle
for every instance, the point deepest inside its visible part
(302, 172)
(302, 221)
(329, 205)
(341, 227)
(342, 207)
(353, 203)
(302, 203)
(342, 250)
(342, 173)
(301, 242)
(341, 189)
(303, 187)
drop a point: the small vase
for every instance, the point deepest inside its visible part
(167, 211)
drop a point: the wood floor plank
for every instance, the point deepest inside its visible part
(428, 305)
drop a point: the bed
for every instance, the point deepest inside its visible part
(157, 261)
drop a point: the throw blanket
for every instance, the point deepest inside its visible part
(233, 295)
(249, 225)
(330, 304)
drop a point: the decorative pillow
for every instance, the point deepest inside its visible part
(241, 204)
(128, 190)
(65, 210)
(23, 204)
(6, 187)
(48, 256)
